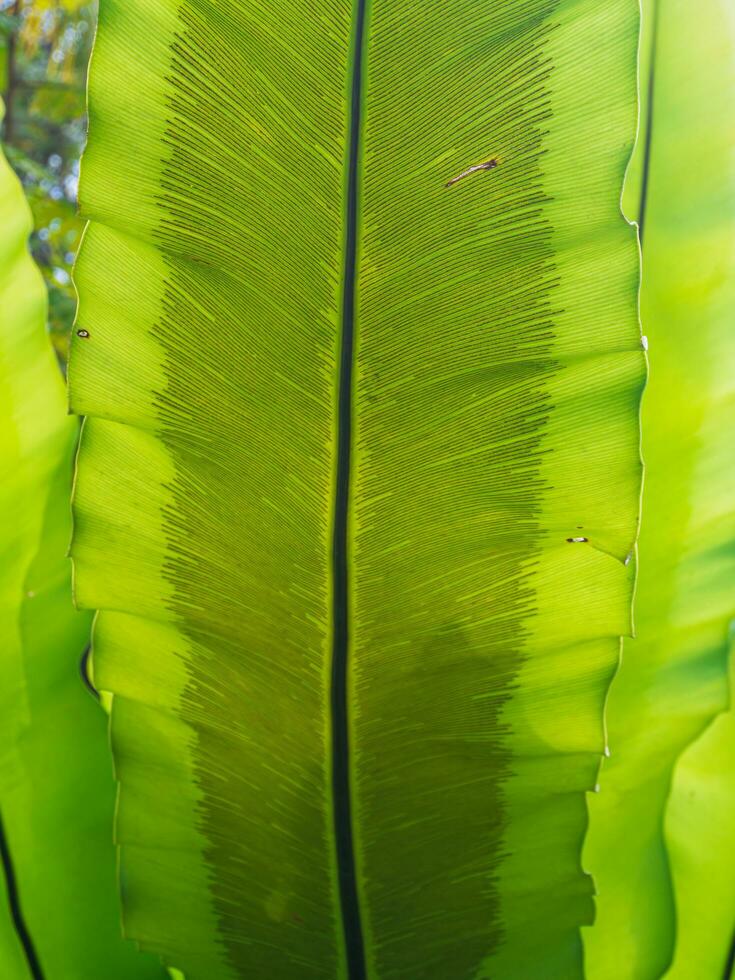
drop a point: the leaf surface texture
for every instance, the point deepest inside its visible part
(345, 413)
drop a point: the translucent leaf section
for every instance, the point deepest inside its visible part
(673, 679)
(209, 289)
(699, 831)
(496, 477)
(700, 839)
(359, 480)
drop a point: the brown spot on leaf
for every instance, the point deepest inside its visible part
(487, 165)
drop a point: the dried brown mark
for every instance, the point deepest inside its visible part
(487, 165)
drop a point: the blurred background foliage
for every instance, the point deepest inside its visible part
(44, 49)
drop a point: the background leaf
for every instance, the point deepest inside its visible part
(673, 679)
(56, 787)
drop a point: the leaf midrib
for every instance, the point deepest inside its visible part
(342, 803)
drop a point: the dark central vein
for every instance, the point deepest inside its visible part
(651, 94)
(350, 906)
(730, 962)
(16, 912)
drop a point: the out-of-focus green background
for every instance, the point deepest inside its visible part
(44, 49)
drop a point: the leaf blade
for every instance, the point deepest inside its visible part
(210, 375)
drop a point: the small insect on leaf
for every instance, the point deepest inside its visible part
(487, 165)
(83, 334)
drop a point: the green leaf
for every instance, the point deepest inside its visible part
(673, 679)
(700, 837)
(347, 412)
(699, 830)
(56, 787)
